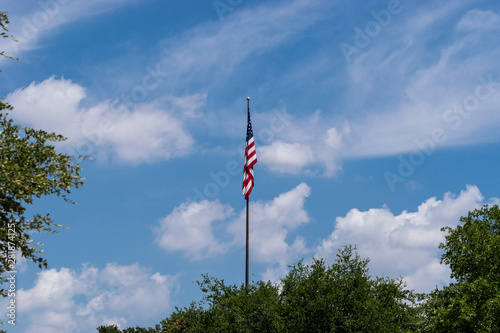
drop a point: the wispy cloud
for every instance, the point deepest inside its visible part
(32, 20)
(211, 51)
(398, 92)
(416, 98)
(188, 66)
(405, 89)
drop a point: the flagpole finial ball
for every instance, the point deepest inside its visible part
(248, 98)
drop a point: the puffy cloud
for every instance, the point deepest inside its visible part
(189, 229)
(428, 276)
(405, 244)
(144, 134)
(333, 139)
(397, 245)
(67, 300)
(286, 157)
(52, 104)
(272, 223)
(148, 134)
(319, 148)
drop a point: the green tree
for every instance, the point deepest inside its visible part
(344, 298)
(472, 302)
(108, 329)
(311, 298)
(30, 168)
(115, 329)
(229, 308)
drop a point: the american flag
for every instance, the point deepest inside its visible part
(250, 160)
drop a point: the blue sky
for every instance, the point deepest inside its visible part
(375, 124)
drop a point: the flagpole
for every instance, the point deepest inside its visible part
(248, 225)
(248, 249)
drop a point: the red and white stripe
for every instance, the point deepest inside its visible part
(250, 160)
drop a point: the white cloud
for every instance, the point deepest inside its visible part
(189, 228)
(405, 244)
(428, 276)
(66, 300)
(286, 157)
(333, 138)
(271, 225)
(144, 134)
(319, 147)
(147, 134)
(397, 245)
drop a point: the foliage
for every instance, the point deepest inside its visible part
(4, 21)
(229, 308)
(473, 250)
(311, 298)
(344, 298)
(30, 168)
(108, 329)
(472, 303)
(115, 329)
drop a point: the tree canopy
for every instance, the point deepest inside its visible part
(30, 168)
(472, 302)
